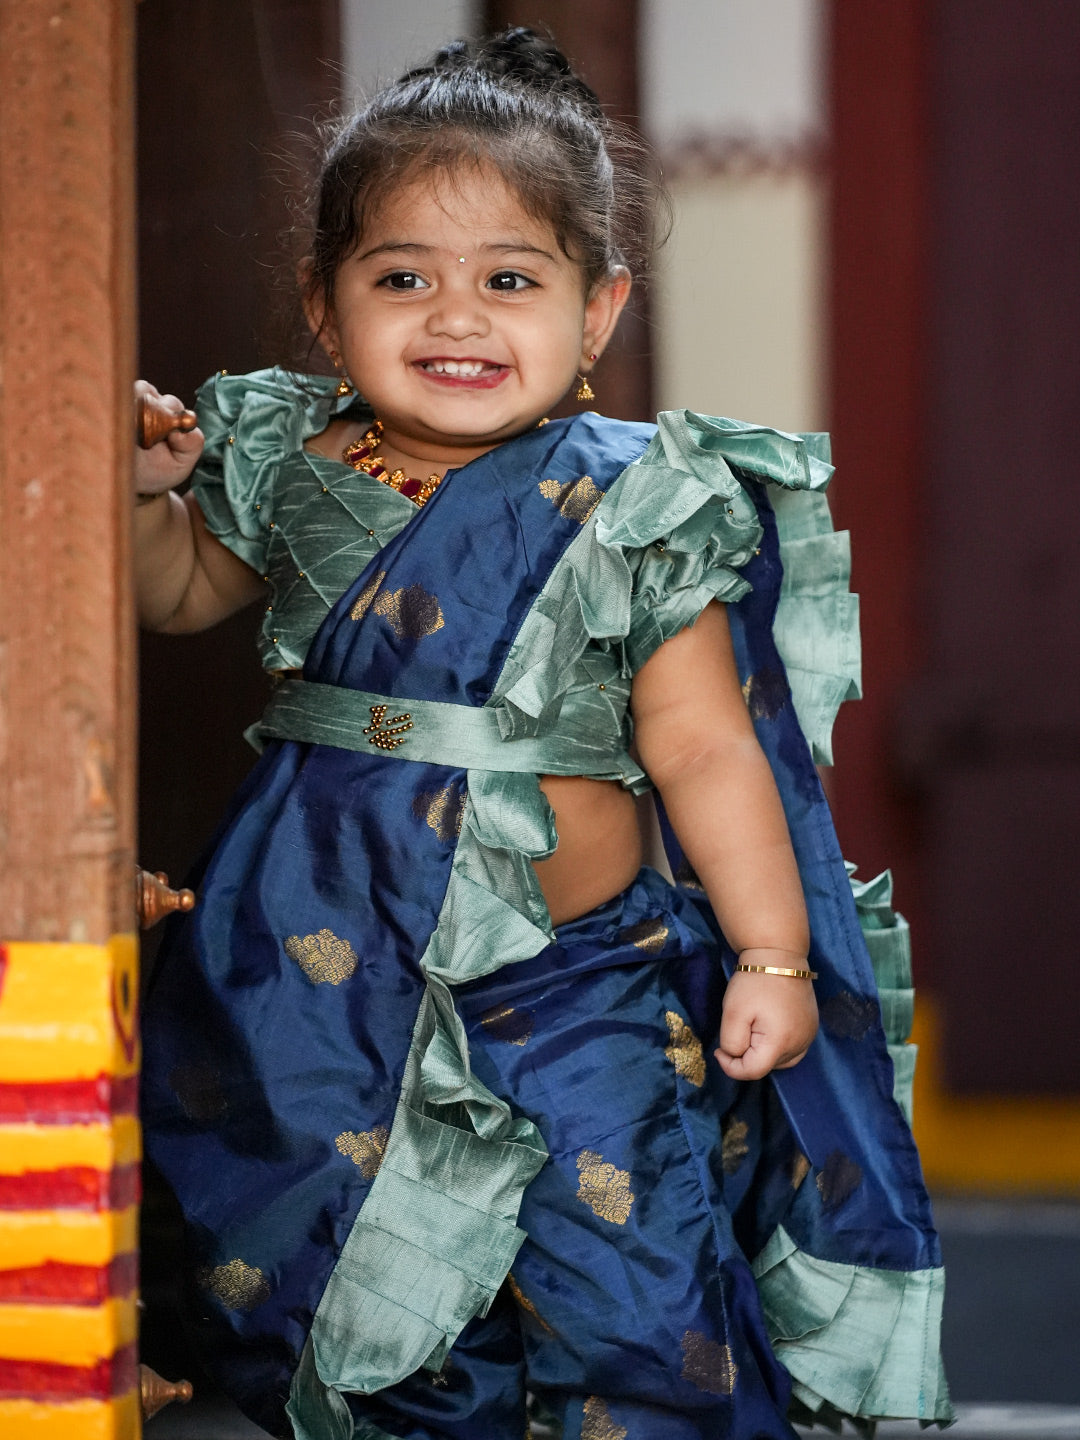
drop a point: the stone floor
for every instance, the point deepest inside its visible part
(1011, 1333)
(217, 1420)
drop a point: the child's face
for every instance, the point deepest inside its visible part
(459, 318)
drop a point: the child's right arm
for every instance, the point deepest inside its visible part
(185, 578)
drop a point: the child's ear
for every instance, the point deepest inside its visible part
(317, 312)
(602, 310)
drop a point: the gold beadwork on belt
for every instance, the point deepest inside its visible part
(387, 734)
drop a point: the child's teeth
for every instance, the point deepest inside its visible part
(457, 367)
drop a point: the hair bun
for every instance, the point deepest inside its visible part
(520, 54)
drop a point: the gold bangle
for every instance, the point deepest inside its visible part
(777, 970)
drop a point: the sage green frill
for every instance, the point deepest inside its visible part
(859, 1344)
(309, 525)
(437, 1234)
(888, 940)
(862, 1343)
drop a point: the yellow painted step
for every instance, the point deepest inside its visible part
(67, 1012)
(50, 1147)
(70, 1237)
(117, 1419)
(66, 1334)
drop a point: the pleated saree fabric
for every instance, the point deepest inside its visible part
(429, 1150)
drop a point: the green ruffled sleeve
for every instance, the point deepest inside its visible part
(308, 524)
(252, 423)
(686, 523)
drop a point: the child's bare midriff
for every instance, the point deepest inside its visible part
(599, 850)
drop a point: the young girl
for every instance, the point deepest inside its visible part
(430, 1066)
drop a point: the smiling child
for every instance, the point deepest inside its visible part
(457, 1098)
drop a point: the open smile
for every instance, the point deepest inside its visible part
(469, 373)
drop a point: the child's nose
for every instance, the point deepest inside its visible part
(458, 314)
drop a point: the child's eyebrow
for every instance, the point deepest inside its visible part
(518, 247)
(388, 245)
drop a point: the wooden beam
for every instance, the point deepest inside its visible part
(878, 300)
(66, 365)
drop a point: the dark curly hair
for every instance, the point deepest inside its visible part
(512, 101)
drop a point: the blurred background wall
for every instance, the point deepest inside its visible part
(875, 232)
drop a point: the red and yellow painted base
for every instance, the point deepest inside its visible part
(69, 1157)
(990, 1145)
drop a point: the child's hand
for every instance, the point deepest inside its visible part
(169, 462)
(768, 1024)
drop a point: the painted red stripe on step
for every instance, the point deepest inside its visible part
(71, 1187)
(68, 1102)
(55, 1283)
(42, 1380)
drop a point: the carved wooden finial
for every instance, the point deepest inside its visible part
(155, 1393)
(154, 420)
(154, 899)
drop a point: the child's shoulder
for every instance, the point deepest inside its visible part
(265, 411)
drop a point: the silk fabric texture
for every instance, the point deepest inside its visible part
(309, 1092)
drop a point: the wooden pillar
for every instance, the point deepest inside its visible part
(600, 39)
(68, 1137)
(878, 302)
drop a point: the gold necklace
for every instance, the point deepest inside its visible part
(361, 456)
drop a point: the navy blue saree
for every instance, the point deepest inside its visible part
(426, 1147)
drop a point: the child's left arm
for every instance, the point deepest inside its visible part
(696, 740)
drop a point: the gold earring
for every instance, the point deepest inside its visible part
(345, 385)
(584, 390)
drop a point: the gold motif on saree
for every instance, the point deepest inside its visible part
(604, 1189)
(800, 1168)
(708, 1365)
(597, 1424)
(839, 1176)
(684, 1052)
(443, 810)
(648, 935)
(849, 1016)
(576, 500)
(411, 612)
(365, 1148)
(362, 603)
(236, 1285)
(324, 958)
(765, 693)
(503, 1022)
(523, 1302)
(735, 1147)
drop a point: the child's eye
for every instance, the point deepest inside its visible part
(509, 280)
(404, 280)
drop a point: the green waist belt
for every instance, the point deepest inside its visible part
(465, 736)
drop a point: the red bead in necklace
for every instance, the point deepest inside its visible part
(361, 456)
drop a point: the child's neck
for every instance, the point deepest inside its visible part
(420, 457)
